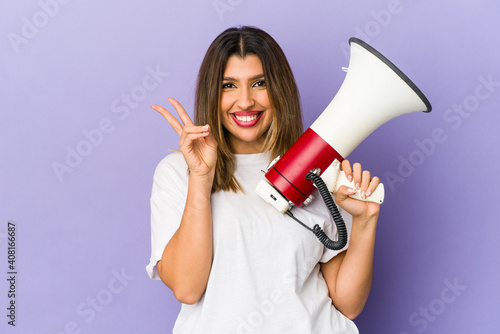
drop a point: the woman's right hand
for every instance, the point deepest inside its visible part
(197, 144)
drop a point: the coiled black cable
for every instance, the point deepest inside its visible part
(334, 213)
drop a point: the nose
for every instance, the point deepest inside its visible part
(245, 99)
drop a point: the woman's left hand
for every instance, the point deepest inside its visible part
(365, 184)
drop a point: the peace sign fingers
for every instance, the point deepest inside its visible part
(183, 115)
(174, 123)
(196, 143)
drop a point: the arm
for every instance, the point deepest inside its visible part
(349, 274)
(187, 259)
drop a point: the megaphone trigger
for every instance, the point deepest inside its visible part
(334, 178)
(377, 196)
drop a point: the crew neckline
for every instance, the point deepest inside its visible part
(252, 157)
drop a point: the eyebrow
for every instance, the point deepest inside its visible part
(258, 76)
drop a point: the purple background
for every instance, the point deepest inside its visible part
(68, 68)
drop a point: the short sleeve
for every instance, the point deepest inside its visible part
(168, 198)
(331, 230)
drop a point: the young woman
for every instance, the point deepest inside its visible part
(236, 263)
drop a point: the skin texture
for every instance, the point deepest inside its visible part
(186, 269)
(244, 89)
(349, 274)
(183, 268)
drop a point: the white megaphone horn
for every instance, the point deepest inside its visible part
(374, 91)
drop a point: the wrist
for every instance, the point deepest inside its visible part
(364, 224)
(368, 212)
(201, 182)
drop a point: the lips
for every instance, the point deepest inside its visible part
(246, 118)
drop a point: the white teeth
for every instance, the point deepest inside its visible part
(246, 118)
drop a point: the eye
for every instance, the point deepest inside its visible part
(260, 83)
(228, 85)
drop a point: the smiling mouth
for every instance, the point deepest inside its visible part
(247, 118)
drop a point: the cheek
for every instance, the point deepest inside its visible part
(264, 100)
(269, 118)
(224, 108)
(226, 102)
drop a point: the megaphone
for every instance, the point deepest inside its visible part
(374, 91)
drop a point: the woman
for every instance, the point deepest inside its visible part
(236, 263)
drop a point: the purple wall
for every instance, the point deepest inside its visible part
(79, 144)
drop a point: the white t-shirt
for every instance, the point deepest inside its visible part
(265, 276)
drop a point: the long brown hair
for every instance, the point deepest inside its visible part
(286, 126)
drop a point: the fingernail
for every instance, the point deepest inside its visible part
(363, 194)
(351, 190)
(205, 127)
(368, 193)
(358, 185)
(349, 178)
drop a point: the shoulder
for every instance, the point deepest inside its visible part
(172, 166)
(173, 161)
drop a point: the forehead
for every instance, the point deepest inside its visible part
(237, 67)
